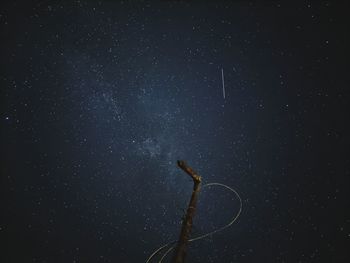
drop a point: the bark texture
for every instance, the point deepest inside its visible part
(180, 250)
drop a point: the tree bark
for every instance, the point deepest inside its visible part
(180, 250)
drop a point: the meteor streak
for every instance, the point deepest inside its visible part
(223, 82)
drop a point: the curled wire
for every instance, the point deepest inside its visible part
(172, 243)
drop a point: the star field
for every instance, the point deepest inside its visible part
(100, 99)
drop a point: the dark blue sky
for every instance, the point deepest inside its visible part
(100, 99)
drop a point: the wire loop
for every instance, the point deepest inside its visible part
(234, 219)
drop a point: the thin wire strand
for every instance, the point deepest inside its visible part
(158, 250)
(166, 253)
(234, 219)
(217, 230)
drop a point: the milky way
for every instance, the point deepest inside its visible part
(100, 99)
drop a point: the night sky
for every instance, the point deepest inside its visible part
(100, 99)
